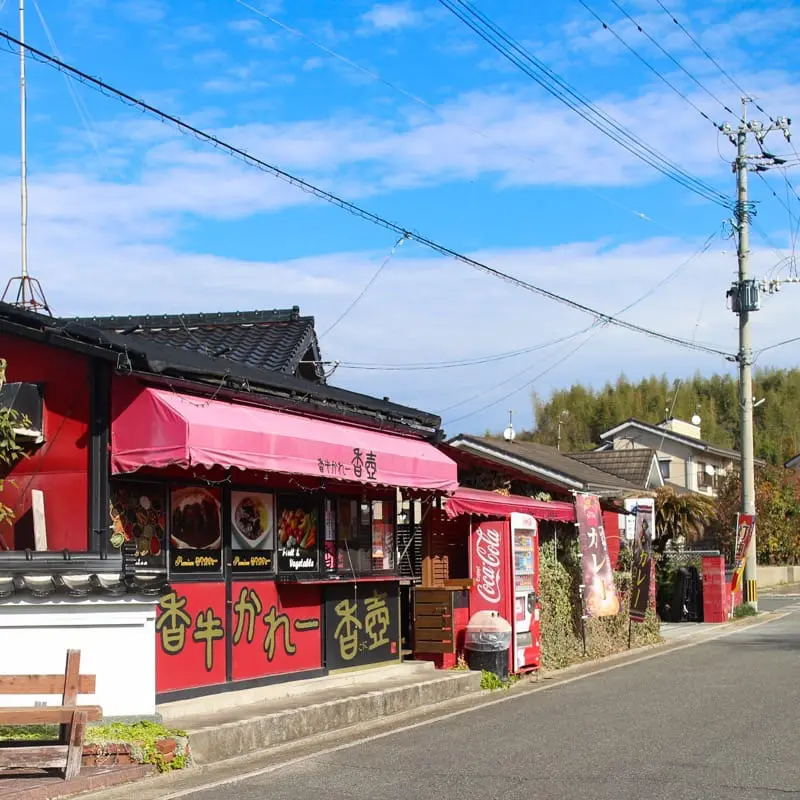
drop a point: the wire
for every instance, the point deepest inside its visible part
(372, 280)
(776, 345)
(703, 248)
(466, 362)
(560, 89)
(644, 61)
(520, 388)
(83, 112)
(438, 111)
(673, 59)
(348, 206)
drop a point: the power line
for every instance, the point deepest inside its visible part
(700, 251)
(512, 51)
(640, 57)
(434, 109)
(672, 58)
(366, 288)
(350, 207)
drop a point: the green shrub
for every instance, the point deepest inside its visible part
(561, 634)
(744, 610)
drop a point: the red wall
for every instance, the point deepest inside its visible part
(611, 526)
(59, 467)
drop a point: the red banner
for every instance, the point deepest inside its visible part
(190, 636)
(489, 546)
(599, 593)
(274, 629)
(745, 527)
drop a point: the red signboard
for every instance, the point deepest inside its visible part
(275, 628)
(599, 593)
(489, 555)
(745, 526)
(190, 636)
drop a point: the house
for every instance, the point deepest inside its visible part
(212, 511)
(639, 466)
(794, 463)
(685, 460)
(553, 471)
(520, 466)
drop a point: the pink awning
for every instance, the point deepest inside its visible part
(492, 504)
(159, 428)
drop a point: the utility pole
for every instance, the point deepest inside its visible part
(745, 299)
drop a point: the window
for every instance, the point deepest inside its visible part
(664, 466)
(706, 476)
(365, 536)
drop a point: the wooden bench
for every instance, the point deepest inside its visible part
(66, 752)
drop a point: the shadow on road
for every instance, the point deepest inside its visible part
(765, 642)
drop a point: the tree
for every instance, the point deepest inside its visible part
(592, 411)
(777, 515)
(680, 516)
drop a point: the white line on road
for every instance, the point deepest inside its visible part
(493, 702)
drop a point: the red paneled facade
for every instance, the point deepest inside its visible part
(60, 468)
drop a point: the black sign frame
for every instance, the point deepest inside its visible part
(362, 624)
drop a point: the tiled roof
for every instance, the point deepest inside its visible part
(196, 371)
(277, 340)
(557, 466)
(698, 444)
(633, 465)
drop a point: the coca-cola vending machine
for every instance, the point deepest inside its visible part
(504, 562)
(525, 564)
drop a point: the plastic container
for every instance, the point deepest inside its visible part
(487, 641)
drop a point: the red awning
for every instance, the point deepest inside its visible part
(159, 428)
(492, 504)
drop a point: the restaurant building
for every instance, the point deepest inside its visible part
(198, 507)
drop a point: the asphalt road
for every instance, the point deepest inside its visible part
(717, 720)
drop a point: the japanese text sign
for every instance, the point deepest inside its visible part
(745, 527)
(599, 592)
(362, 624)
(642, 563)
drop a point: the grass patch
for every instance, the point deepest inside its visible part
(744, 610)
(491, 682)
(141, 738)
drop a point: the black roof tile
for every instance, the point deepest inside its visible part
(279, 339)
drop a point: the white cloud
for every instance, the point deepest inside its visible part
(389, 17)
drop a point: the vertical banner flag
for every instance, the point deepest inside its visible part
(642, 560)
(599, 592)
(745, 526)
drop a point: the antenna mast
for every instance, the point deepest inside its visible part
(29, 293)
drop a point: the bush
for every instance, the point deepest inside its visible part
(561, 636)
(744, 610)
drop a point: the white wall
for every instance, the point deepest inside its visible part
(116, 639)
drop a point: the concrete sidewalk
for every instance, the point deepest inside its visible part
(236, 723)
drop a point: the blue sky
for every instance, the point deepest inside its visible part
(129, 216)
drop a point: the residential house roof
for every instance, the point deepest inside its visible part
(281, 339)
(198, 372)
(547, 464)
(635, 466)
(793, 462)
(696, 444)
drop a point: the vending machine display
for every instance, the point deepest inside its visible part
(524, 559)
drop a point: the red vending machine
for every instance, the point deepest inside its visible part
(525, 641)
(504, 565)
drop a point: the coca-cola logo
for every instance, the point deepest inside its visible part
(488, 561)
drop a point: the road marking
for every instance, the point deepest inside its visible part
(256, 773)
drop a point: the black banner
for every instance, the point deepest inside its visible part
(362, 624)
(186, 560)
(642, 564)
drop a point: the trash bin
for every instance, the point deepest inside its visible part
(487, 641)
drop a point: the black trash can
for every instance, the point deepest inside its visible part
(487, 642)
